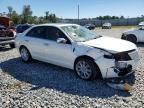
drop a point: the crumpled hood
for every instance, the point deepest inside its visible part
(111, 45)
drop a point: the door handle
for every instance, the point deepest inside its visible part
(26, 40)
(46, 44)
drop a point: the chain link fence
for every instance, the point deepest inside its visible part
(114, 22)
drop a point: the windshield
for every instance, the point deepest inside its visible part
(78, 33)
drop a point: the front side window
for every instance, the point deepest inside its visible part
(54, 33)
(78, 33)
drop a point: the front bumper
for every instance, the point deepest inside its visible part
(110, 69)
(7, 42)
(117, 71)
(121, 65)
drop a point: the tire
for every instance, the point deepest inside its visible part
(25, 54)
(12, 45)
(131, 38)
(86, 69)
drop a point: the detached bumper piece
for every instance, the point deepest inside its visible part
(118, 84)
(125, 86)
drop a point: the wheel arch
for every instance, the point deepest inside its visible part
(133, 36)
(22, 47)
(88, 57)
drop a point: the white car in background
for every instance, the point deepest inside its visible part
(141, 23)
(136, 35)
(79, 49)
(107, 26)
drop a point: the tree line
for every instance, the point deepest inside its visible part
(107, 17)
(27, 17)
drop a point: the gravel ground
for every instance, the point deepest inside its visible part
(39, 84)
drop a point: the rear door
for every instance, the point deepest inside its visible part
(35, 41)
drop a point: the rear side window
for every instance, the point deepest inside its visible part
(37, 32)
(22, 28)
(25, 27)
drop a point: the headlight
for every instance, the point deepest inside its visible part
(123, 56)
(108, 55)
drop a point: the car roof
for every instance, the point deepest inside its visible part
(56, 25)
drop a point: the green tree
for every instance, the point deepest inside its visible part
(15, 17)
(121, 17)
(52, 18)
(10, 9)
(26, 13)
(47, 14)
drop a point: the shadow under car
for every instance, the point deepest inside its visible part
(53, 77)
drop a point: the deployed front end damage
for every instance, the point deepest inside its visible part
(119, 64)
(116, 67)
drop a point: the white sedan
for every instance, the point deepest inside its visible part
(77, 48)
(136, 35)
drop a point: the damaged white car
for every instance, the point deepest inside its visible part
(77, 48)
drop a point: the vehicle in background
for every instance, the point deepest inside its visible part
(7, 32)
(141, 24)
(136, 35)
(107, 26)
(22, 27)
(90, 26)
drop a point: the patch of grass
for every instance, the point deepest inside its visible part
(123, 27)
(128, 27)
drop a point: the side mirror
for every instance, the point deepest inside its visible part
(61, 40)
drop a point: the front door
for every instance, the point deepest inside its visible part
(58, 53)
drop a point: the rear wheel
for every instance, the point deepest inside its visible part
(25, 54)
(86, 69)
(131, 38)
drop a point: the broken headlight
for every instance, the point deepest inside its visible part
(123, 56)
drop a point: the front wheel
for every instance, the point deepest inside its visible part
(25, 54)
(86, 69)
